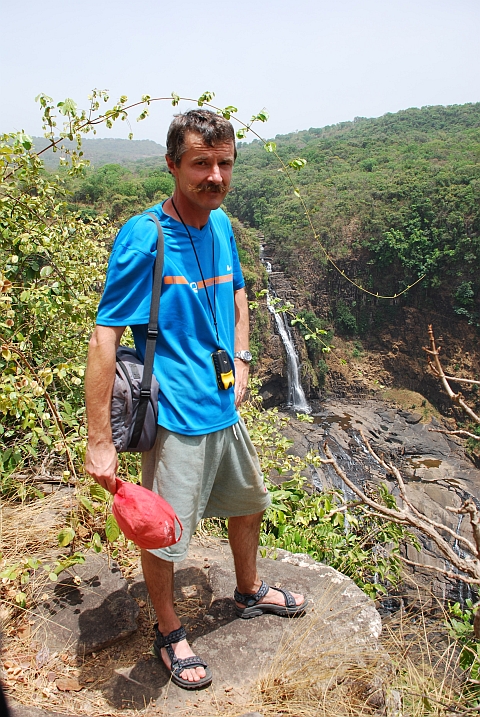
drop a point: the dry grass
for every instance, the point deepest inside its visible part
(411, 401)
(420, 676)
(426, 661)
(28, 529)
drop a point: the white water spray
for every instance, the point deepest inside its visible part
(295, 397)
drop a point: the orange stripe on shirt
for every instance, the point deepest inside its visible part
(200, 285)
(174, 280)
(216, 280)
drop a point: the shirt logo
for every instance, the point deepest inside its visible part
(194, 286)
(229, 268)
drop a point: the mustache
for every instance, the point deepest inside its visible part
(209, 187)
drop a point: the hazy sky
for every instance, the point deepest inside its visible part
(309, 62)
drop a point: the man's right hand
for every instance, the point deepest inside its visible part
(101, 462)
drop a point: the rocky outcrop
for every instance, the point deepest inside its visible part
(338, 635)
(435, 467)
(87, 610)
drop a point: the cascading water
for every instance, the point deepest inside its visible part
(295, 397)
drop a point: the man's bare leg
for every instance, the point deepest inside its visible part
(243, 534)
(158, 576)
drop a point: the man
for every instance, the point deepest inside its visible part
(203, 462)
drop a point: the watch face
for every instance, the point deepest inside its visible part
(244, 355)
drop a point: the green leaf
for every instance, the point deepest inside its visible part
(98, 493)
(206, 97)
(261, 117)
(297, 163)
(112, 531)
(46, 271)
(65, 537)
(67, 107)
(97, 543)
(21, 599)
(228, 111)
(87, 504)
(270, 146)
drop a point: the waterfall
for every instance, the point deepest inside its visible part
(295, 397)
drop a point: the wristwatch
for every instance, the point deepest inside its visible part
(243, 355)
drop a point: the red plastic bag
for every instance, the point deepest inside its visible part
(145, 517)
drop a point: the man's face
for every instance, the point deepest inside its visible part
(204, 174)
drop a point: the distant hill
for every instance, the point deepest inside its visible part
(105, 151)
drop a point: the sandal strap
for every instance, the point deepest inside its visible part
(174, 636)
(179, 664)
(289, 599)
(250, 599)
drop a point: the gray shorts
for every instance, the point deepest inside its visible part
(216, 474)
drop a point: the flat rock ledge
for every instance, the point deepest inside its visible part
(339, 632)
(88, 610)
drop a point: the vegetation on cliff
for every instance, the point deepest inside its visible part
(402, 190)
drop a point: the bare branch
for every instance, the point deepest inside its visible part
(437, 369)
(459, 432)
(462, 380)
(469, 508)
(436, 569)
(392, 470)
(414, 519)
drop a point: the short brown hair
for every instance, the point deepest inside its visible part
(212, 128)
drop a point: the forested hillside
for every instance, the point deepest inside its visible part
(398, 195)
(400, 192)
(104, 151)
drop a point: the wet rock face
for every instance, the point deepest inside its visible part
(437, 473)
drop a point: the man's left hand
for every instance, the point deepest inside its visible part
(241, 381)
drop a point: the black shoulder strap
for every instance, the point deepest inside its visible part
(152, 334)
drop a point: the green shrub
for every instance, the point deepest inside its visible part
(344, 319)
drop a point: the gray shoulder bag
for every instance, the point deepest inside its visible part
(134, 409)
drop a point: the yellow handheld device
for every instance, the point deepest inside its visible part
(223, 370)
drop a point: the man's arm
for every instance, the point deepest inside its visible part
(101, 458)
(241, 344)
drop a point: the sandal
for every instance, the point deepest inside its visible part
(177, 664)
(253, 608)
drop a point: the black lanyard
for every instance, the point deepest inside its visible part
(213, 310)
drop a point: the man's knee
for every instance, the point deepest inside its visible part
(152, 563)
(254, 519)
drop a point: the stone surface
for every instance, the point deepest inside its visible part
(88, 609)
(340, 630)
(17, 710)
(341, 627)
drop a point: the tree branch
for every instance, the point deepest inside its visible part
(437, 369)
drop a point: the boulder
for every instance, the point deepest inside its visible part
(88, 609)
(339, 631)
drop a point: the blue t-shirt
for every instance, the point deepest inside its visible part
(190, 401)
